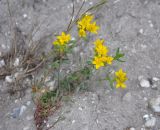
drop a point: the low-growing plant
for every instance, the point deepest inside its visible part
(68, 82)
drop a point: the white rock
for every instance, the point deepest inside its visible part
(4, 46)
(73, 38)
(2, 63)
(23, 108)
(141, 31)
(48, 125)
(28, 103)
(154, 104)
(146, 117)
(151, 122)
(9, 79)
(73, 121)
(91, 3)
(116, 1)
(26, 128)
(144, 83)
(25, 16)
(132, 128)
(155, 79)
(80, 108)
(16, 62)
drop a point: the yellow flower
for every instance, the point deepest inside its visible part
(82, 33)
(88, 18)
(98, 62)
(86, 24)
(93, 28)
(99, 42)
(63, 38)
(55, 42)
(85, 21)
(120, 79)
(107, 59)
(101, 50)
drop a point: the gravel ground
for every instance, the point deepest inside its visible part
(132, 25)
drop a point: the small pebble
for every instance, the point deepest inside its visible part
(28, 103)
(26, 128)
(9, 79)
(116, 1)
(150, 123)
(132, 128)
(80, 108)
(48, 125)
(73, 38)
(144, 83)
(73, 121)
(155, 79)
(154, 104)
(16, 62)
(3, 46)
(25, 16)
(15, 112)
(146, 117)
(2, 63)
(45, 121)
(141, 31)
(23, 108)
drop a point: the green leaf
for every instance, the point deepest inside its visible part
(111, 81)
(119, 55)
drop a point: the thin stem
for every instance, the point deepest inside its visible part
(91, 8)
(59, 69)
(80, 9)
(75, 20)
(95, 6)
(72, 16)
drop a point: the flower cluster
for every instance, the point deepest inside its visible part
(101, 57)
(101, 52)
(87, 24)
(62, 39)
(120, 79)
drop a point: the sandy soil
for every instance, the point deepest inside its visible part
(132, 25)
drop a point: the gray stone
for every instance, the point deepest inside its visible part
(150, 123)
(15, 112)
(18, 111)
(154, 104)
